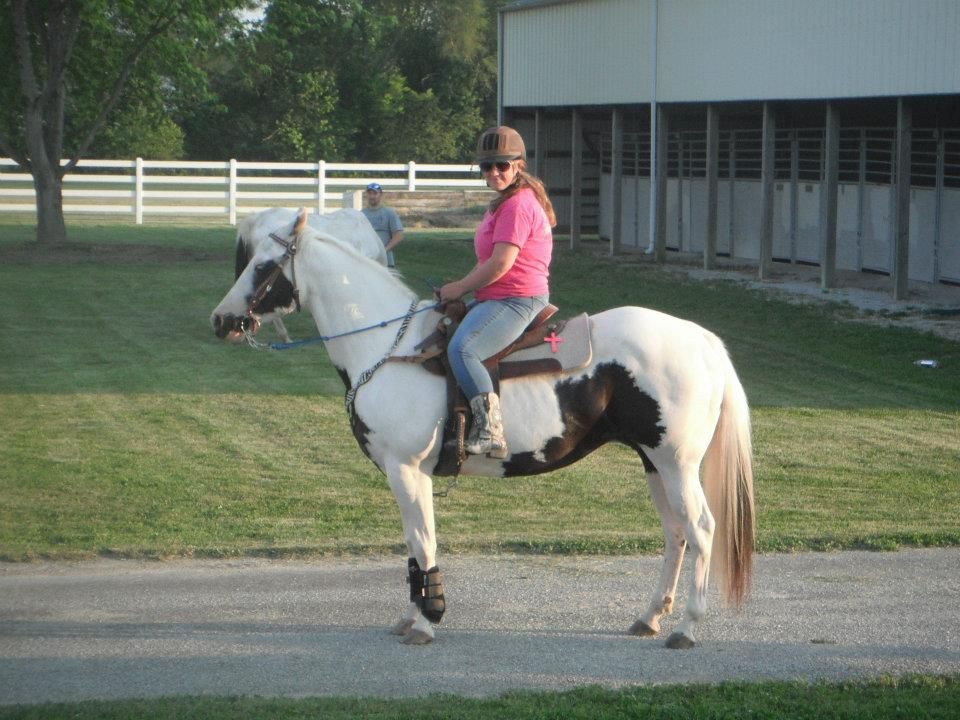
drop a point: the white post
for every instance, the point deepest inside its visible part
(138, 192)
(322, 187)
(412, 176)
(353, 199)
(232, 192)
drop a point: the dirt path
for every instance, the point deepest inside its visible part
(123, 629)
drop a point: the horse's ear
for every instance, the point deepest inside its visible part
(301, 222)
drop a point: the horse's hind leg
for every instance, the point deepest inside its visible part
(685, 497)
(674, 546)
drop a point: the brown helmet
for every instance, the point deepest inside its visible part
(500, 143)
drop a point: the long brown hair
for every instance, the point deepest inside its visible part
(526, 180)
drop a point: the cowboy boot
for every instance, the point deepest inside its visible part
(486, 433)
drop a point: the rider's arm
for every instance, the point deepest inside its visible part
(490, 270)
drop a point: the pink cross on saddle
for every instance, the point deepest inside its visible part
(554, 340)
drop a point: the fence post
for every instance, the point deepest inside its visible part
(322, 187)
(232, 191)
(138, 192)
(353, 199)
(412, 176)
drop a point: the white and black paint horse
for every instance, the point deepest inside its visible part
(662, 386)
(350, 226)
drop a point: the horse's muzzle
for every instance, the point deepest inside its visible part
(233, 327)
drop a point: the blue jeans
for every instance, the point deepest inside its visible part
(489, 327)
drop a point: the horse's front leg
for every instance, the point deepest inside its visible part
(413, 491)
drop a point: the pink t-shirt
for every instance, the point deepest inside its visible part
(522, 222)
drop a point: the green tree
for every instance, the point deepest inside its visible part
(357, 80)
(69, 63)
(450, 50)
(140, 127)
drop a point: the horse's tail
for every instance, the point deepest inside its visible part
(728, 485)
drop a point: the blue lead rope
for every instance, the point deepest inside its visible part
(295, 343)
(325, 338)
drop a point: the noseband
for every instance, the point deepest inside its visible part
(289, 253)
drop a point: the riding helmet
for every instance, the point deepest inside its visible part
(500, 143)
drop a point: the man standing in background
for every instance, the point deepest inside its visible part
(384, 220)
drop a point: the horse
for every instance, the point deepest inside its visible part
(663, 386)
(349, 225)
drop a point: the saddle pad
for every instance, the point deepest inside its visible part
(568, 350)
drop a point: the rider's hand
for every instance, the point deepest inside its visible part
(451, 291)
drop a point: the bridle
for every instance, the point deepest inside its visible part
(289, 253)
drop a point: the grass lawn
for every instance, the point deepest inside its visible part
(129, 430)
(904, 698)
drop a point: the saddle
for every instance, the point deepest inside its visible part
(544, 348)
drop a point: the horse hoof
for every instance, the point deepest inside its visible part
(641, 629)
(678, 641)
(417, 637)
(401, 627)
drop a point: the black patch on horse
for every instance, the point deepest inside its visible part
(360, 432)
(357, 426)
(280, 296)
(605, 407)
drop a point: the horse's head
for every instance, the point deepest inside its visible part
(264, 288)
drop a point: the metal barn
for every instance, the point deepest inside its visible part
(808, 131)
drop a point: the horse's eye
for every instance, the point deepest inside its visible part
(260, 268)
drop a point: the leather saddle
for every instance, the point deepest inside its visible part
(545, 347)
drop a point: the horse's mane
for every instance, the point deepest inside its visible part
(245, 228)
(390, 275)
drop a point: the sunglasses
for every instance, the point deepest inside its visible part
(487, 166)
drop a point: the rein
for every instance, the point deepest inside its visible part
(290, 252)
(257, 345)
(324, 338)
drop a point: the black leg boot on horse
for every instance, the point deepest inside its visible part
(486, 432)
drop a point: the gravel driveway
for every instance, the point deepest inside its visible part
(122, 629)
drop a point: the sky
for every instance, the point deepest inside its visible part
(252, 16)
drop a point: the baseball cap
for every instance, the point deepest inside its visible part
(375, 187)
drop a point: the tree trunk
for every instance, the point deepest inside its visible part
(51, 230)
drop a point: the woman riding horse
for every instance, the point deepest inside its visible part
(660, 385)
(513, 245)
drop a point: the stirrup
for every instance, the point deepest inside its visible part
(488, 447)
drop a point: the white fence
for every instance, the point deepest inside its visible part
(140, 188)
